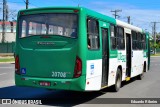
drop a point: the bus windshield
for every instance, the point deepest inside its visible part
(60, 24)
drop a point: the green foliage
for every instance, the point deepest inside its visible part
(158, 45)
(155, 45)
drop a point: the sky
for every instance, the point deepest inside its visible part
(142, 12)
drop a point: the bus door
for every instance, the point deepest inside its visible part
(128, 55)
(148, 47)
(105, 53)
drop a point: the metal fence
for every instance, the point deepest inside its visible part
(158, 50)
(7, 47)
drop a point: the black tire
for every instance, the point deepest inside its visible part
(118, 81)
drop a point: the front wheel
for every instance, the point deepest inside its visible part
(117, 85)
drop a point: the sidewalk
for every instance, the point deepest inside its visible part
(6, 57)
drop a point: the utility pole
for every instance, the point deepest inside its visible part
(27, 2)
(116, 13)
(3, 21)
(7, 12)
(129, 19)
(154, 34)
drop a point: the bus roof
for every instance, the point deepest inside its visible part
(92, 13)
(129, 26)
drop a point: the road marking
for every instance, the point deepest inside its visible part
(3, 73)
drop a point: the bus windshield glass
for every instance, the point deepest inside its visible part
(60, 24)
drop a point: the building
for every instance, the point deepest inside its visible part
(10, 31)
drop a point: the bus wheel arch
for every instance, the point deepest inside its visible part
(118, 79)
(140, 77)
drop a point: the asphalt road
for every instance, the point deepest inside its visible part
(149, 87)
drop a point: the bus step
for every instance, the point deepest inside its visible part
(104, 87)
(128, 78)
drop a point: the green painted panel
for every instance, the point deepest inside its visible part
(41, 61)
(113, 54)
(77, 84)
(121, 57)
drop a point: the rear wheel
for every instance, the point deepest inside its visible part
(117, 85)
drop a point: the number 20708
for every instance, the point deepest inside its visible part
(59, 74)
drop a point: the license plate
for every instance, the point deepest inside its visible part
(44, 83)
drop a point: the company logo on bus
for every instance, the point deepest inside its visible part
(92, 69)
(45, 43)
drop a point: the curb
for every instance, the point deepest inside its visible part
(7, 57)
(155, 56)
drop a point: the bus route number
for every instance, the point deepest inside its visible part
(59, 74)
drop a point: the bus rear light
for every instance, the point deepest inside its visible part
(78, 68)
(76, 11)
(17, 65)
(45, 37)
(22, 13)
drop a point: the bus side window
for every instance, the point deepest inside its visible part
(92, 33)
(24, 24)
(120, 38)
(113, 37)
(139, 41)
(134, 40)
(144, 41)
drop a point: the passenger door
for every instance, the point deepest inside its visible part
(128, 55)
(105, 53)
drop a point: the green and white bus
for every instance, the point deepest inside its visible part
(74, 48)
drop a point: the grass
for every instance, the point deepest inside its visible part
(158, 54)
(6, 59)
